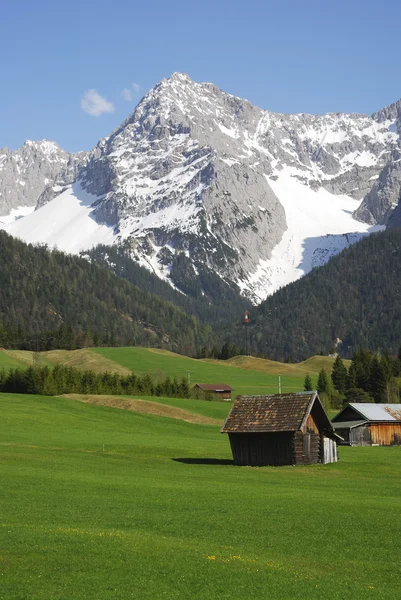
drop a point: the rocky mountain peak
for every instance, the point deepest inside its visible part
(259, 197)
(390, 113)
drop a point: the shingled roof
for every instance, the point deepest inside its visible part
(279, 412)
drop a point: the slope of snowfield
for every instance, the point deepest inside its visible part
(16, 213)
(319, 227)
(65, 223)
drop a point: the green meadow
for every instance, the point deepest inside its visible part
(242, 380)
(245, 374)
(100, 503)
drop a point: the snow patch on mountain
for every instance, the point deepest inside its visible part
(66, 223)
(319, 226)
(16, 213)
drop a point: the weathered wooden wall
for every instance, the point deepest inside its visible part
(307, 448)
(382, 434)
(360, 436)
(262, 449)
(385, 434)
(311, 426)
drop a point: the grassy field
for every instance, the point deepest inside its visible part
(243, 380)
(160, 512)
(9, 361)
(246, 374)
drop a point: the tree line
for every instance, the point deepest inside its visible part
(370, 378)
(69, 380)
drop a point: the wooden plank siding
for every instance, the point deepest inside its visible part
(380, 434)
(313, 455)
(311, 426)
(360, 436)
(260, 449)
(385, 434)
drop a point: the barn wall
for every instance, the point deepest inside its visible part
(262, 449)
(386, 434)
(307, 448)
(311, 426)
(360, 436)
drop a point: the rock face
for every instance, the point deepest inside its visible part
(27, 172)
(199, 171)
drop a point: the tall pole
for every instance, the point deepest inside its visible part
(246, 321)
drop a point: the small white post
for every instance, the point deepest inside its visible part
(189, 377)
(103, 447)
(279, 384)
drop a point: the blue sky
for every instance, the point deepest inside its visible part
(288, 56)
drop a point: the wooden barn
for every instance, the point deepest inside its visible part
(221, 391)
(363, 424)
(283, 429)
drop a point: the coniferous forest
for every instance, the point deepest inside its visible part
(203, 294)
(354, 301)
(53, 300)
(369, 378)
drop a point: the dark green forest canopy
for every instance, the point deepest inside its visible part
(204, 294)
(42, 290)
(353, 301)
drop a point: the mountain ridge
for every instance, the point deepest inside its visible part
(258, 197)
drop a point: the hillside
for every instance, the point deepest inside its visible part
(247, 375)
(353, 301)
(209, 297)
(76, 302)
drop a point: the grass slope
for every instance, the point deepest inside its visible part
(140, 405)
(244, 381)
(246, 374)
(162, 513)
(9, 360)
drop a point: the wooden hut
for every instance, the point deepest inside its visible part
(283, 429)
(364, 424)
(222, 391)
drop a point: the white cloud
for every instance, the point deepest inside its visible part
(127, 94)
(94, 104)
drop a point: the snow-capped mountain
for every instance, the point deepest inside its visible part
(259, 197)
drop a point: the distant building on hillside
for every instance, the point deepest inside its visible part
(282, 429)
(364, 424)
(222, 391)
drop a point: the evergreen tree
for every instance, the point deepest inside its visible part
(339, 375)
(322, 382)
(358, 395)
(308, 386)
(362, 361)
(377, 383)
(351, 377)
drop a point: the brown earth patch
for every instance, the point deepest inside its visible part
(145, 407)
